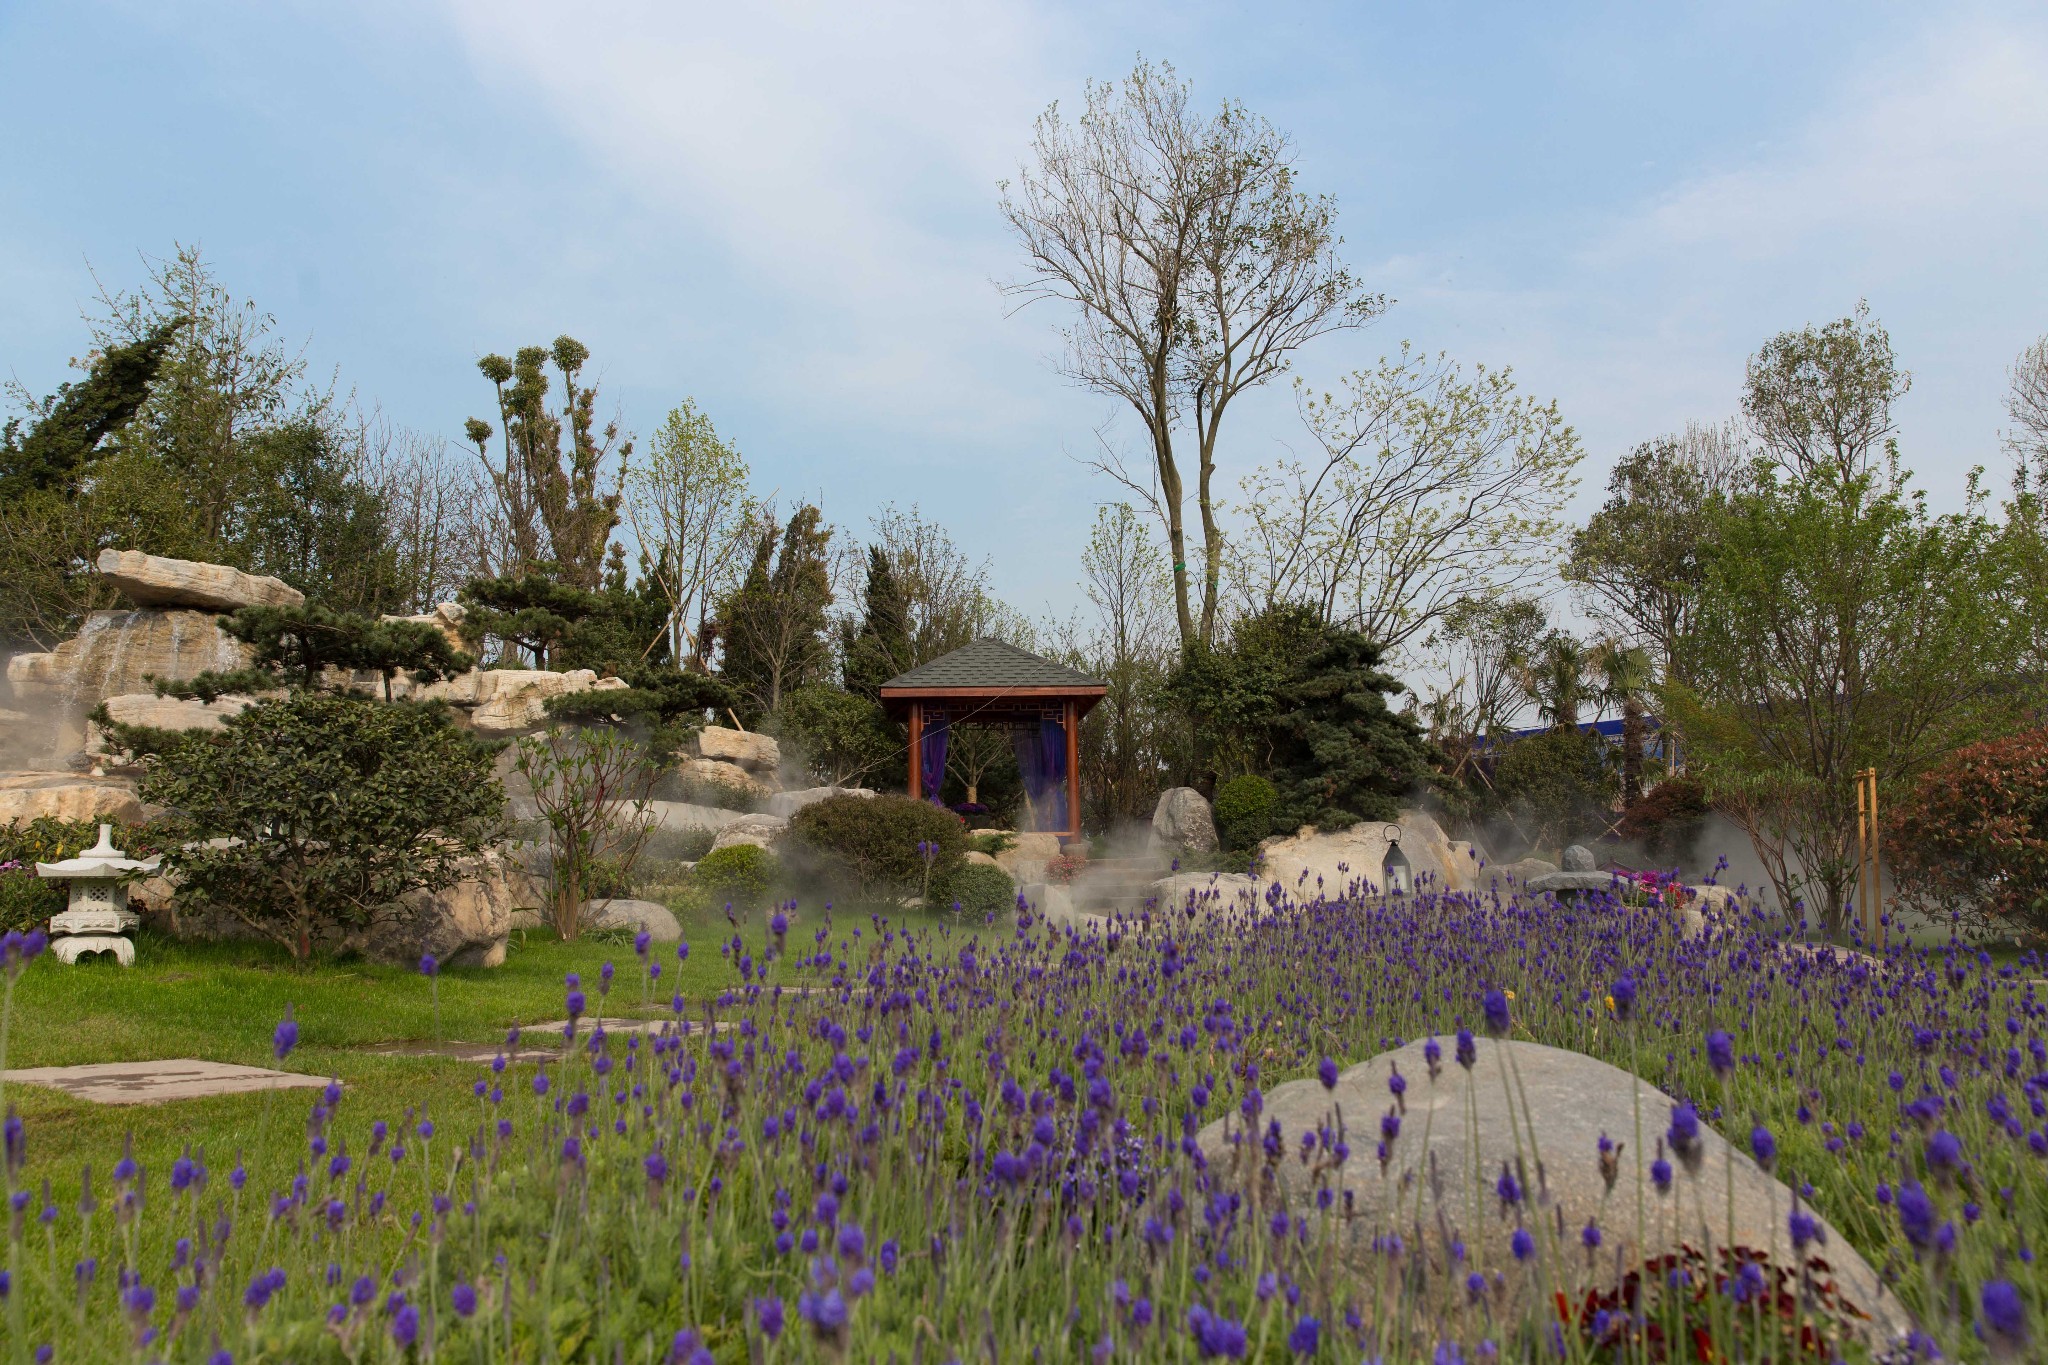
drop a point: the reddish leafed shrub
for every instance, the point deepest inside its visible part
(1666, 819)
(1972, 837)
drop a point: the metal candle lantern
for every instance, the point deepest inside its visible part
(1396, 874)
(98, 919)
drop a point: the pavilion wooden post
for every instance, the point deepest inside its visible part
(1072, 722)
(917, 751)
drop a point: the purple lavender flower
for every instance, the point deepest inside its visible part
(768, 1313)
(1763, 1147)
(1326, 1072)
(1494, 1007)
(405, 1326)
(463, 1296)
(286, 1037)
(429, 965)
(1306, 1336)
(2004, 1314)
(1720, 1052)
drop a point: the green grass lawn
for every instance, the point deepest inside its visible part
(222, 1002)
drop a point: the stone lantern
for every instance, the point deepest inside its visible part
(98, 918)
(1397, 875)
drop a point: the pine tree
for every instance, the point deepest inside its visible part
(71, 423)
(880, 648)
(774, 624)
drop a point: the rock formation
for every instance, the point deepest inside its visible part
(1183, 823)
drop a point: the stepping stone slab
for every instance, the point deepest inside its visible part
(180, 1078)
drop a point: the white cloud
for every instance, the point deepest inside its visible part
(844, 158)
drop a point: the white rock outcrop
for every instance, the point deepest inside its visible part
(26, 796)
(786, 804)
(1311, 862)
(755, 752)
(157, 581)
(759, 830)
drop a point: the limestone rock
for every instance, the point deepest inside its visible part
(759, 830)
(1311, 863)
(513, 700)
(1579, 858)
(977, 858)
(446, 618)
(620, 913)
(67, 796)
(714, 782)
(1183, 823)
(1206, 893)
(681, 815)
(114, 650)
(1054, 904)
(463, 925)
(754, 752)
(1026, 857)
(786, 804)
(161, 713)
(156, 581)
(1572, 1100)
(1519, 872)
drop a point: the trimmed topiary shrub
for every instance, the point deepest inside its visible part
(979, 890)
(1244, 810)
(739, 873)
(1971, 838)
(879, 845)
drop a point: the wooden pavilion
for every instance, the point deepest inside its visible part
(989, 683)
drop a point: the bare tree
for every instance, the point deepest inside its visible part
(2027, 404)
(1429, 488)
(1197, 270)
(1821, 398)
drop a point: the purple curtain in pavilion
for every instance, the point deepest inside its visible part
(1042, 759)
(933, 757)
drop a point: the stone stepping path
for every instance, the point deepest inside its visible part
(540, 1042)
(181, 1078)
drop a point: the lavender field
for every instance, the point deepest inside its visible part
(953, 1145)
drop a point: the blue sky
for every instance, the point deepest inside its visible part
(788, 212)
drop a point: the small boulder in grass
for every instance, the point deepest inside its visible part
(648, 917)
(1573, 1102)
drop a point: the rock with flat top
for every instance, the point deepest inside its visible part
(446, 618)
(755, 752)
(156, 581)
(677, 816)
(67, 796)
(1439, 1183)
(1026, 857)
(759, 830)
(617, 912)
(786, 804)
(161, 713)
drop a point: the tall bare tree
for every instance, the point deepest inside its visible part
(1196, 270)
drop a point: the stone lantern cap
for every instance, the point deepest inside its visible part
(101, 860)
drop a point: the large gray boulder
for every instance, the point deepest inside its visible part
(1549, 1138)
(1182, 822)
(619, 913)
(156, 581)
(462, 925)
(715, 782)
(786, 804)
(1579, 858)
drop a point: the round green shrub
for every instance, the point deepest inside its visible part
(1244, 810)
(980, 890)
(739, 873)
(870, 844)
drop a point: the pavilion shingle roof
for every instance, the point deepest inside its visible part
(991, 663)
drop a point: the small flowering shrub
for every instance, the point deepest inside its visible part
(26, 900)
(878, 1143)
(739, 873)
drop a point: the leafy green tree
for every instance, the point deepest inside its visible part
(774, 622)
(591, 785)
(69, 428)
(1842, 627)
(556, 505)
(1340, 753)
(1626, 678)
(879, 648)
(1305, 703)
(309, 812)
(315, 524)
(693, 517)
(1554, 786)
(313, 648)
(1639, 562)
(844, 737)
